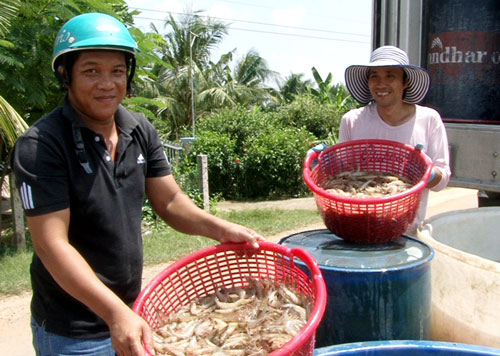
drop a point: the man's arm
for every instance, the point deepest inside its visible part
(177, 209)
(69, 269)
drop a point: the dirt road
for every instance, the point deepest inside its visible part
(15, 332)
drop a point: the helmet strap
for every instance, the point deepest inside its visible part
(130, 90)
(63, 69)
(61, 78)
(80, 148)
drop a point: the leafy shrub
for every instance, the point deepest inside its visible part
(322, 120)
(272, 164)
(239, 124)
(251, 154)
(185, 173)
(220, 150)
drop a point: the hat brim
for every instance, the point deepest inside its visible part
(356, 79)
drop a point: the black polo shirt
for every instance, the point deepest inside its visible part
(105, 202)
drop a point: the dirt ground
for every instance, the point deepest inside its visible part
(15, 332)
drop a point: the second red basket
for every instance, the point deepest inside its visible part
(366, 220)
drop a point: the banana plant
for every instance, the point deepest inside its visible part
(335, 94)
(323, 91)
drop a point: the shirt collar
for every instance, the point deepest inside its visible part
(125, 120)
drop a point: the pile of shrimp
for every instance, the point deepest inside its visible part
(362, 184)
(254, 320)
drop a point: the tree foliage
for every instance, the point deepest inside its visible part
(322, 120)
(11, 123)
(327, 92)
(293, 86)
(9, 11)
(256, 135)
(190, 85)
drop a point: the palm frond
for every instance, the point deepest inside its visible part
(9, 11)
(11, 123)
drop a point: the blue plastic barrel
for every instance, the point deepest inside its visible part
(375, 291)
(406, 348)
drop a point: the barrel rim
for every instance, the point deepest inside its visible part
(404, 345)
(425, 260)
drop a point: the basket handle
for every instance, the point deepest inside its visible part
(311, 160)
(430, 172)
(320, 294)
(311, 263)
(318, 281)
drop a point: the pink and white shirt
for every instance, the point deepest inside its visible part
(425, 127)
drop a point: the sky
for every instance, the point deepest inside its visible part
(291, 35)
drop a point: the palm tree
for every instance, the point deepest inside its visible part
(11, 126)
(186, 53)
(191, 84)
(244, 85)
(9, 11)
(294, 85)
(252, 72)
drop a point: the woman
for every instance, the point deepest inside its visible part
(392, 89)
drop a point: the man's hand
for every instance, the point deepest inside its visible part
(238, 233)
(129, 332)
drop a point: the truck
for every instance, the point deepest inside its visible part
(458, 42)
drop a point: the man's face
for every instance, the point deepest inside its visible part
(98, 84)
(387, 85)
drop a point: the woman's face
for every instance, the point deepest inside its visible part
(98, 84)
(387, 85)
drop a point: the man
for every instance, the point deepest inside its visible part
(83, 171)
(392, 88)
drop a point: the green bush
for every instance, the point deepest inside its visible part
(239, 124)
(322, 120)
(254, 154)
(272, 165)
(251, 154)
(220, 150)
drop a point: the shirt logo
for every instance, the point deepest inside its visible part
(26, 196)
(140, 159)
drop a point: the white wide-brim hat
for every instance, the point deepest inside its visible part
(419, 80)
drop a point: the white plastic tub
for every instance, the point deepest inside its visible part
(465, 275)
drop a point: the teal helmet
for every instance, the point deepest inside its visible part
(93, 31)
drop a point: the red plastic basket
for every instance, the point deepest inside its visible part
(228, 265)
(368, 220)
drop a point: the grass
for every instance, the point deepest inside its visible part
(14, 271)
(163, 244)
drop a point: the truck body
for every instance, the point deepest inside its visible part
(458, 42)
